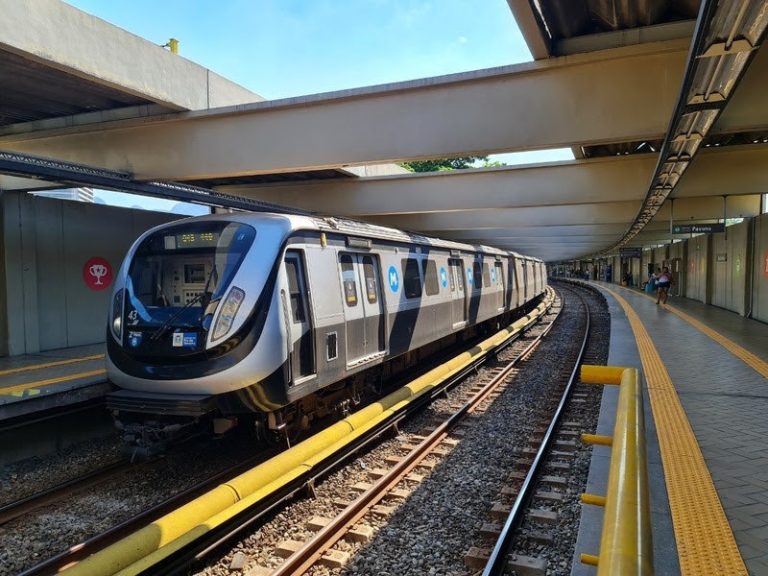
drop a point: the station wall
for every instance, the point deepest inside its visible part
(49, 295)
(729, 268)
(696, 268)
(760, 276)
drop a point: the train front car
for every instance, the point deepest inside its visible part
(189, 306)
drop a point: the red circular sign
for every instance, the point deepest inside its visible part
(97, 273)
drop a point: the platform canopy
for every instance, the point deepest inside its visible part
(656, 105)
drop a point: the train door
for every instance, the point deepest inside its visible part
(499, 276)
(363, 319)
(458, 293)
(300, 321)
(368, 274)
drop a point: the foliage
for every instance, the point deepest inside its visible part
(441, 164)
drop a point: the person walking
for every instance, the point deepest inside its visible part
(663, 282)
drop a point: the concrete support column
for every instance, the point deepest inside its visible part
(18, 276)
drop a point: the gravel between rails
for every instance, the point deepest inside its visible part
(559, 553)
(433, 528)
(28, 477)
(31, 539)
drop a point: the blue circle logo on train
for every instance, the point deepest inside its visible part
(443, 277)
(493, 275)
(394, 279)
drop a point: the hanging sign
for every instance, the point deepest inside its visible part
(630, 252)
(97, 273)
(698, 228)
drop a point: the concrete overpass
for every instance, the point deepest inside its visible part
(602, 93)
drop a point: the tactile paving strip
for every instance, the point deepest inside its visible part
(753, 361)
(705, 542)
(760, 366)
(11, 390)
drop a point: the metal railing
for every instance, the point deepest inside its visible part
(625, 546)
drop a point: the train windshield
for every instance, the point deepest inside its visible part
(179, 274)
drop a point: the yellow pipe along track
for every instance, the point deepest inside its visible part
(625, 545)
(161, 538)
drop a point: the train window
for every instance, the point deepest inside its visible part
(348, 279)
(297, 298)
(431, 284)
(457, 266)
(477, 276)
(371, 290)
(331, 346)
(411, 278)
(486, 275)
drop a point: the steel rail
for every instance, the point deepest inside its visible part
(25, 505)
(77, 552)
(179, 561)
(327, 537)
(498, 557)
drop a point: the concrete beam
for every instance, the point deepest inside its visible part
(60, 36)
(746, 111)
(715, 171)
(603, 213)
(10, 183)
(729, 170)
(619, 95)
(538, 43)
(574, 182)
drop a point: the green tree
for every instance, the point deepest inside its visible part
(441, 164)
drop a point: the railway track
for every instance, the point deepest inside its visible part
(26, 505)
(74, 554)
(394, 483)
(533, 501)
(201, 548)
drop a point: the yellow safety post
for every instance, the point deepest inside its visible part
(598, 439)
(593, 499)
(591, 374)
(625, 545)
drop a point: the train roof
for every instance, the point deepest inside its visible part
(368, 230)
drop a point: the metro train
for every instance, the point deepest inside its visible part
(280, 319)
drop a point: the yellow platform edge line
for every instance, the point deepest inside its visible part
(705, 541)
(51, 364)
(753, 361)
(50, 381)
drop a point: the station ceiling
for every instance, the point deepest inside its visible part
(606, 82)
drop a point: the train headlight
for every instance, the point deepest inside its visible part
(228, 311)
(117, 314)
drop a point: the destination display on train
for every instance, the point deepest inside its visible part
(191, 240)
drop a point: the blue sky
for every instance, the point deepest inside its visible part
(284, 48)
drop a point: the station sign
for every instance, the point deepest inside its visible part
(97, 273)
(698, 228)
(630, 252)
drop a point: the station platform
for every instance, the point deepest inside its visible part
(706, 404)
(52, 379)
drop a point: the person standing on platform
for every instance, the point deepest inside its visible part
(663, 282)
